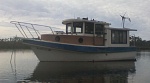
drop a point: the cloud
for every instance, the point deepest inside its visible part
(52, 12)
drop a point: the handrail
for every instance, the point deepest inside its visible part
(23, 30)
(19, 30)
(29, 25)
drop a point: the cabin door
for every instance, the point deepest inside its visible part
(99, 32)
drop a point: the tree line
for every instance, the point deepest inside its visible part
(139, 43)
(12, 43)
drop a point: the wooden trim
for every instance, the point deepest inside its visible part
(74, 39)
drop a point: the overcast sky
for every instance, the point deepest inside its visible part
(52, 12)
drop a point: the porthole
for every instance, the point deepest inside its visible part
(80, 40)
(57, 38)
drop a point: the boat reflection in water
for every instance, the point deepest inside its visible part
(83, 72)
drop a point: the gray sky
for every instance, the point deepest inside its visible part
(52, 12)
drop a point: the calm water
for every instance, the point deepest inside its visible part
(25, 68)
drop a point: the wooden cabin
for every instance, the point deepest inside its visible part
(90, 32)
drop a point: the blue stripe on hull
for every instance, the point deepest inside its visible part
(89, 49)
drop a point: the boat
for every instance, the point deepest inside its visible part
(82, 40)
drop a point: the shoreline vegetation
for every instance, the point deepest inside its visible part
(12, 43)
(139, 43)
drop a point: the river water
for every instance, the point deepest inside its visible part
(24, 67)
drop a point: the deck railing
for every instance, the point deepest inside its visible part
(30, 28)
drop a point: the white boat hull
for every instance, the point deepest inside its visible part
(46, 54)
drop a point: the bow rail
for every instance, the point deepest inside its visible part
(30, 28)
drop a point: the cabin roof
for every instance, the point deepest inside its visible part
(84, 20)
(125, 29)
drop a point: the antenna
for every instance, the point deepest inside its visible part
(123, 19)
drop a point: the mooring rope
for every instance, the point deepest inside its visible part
(13, 67)
(13, 49)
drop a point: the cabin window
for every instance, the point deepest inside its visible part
(77, 27)
(118, 37)
(68, 28)
(99, 29)
(89, 28)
